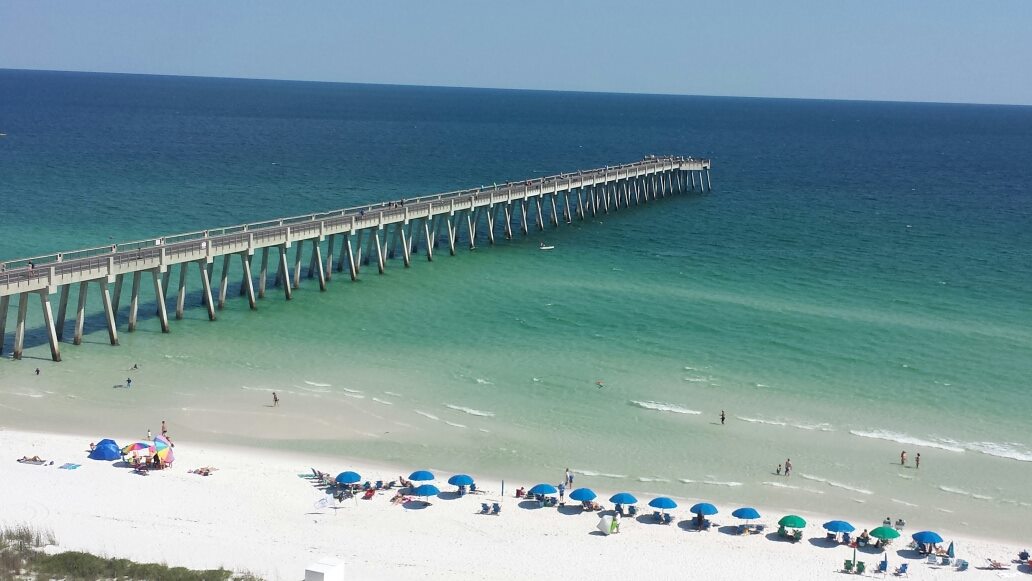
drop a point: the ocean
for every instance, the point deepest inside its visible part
(855, 285)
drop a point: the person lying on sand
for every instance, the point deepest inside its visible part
(33, 459)
(993, 564)
(398, 498)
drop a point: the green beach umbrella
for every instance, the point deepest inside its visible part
(885, 533)
(792, 521)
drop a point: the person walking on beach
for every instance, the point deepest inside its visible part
(275, 399)
(788, 467)
(164, 430)
(917, 460)
(903, 458)
(722, 417)
(37, 371)
(569, 478)
(128, 382)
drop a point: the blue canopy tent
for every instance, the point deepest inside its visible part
(106, 450)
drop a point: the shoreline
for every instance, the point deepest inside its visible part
(256, 494)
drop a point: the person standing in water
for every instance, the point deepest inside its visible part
(722, 417)
(917, 460)
(164, 430)
(275, 399)
(128, 382)
(788, 467)
(903, 458)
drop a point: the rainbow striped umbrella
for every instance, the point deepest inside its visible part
(138, 446)
(163, 448)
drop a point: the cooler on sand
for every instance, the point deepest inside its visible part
(327, 569)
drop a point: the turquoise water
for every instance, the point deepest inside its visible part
(856, 285)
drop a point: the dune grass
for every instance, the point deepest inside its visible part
(22, 557)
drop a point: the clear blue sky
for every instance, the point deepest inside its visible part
(909, 50)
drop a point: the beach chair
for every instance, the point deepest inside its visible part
(946, 561)
(781, 531)
(962, 565)
(932, 560)
(860, 567)
(760, 528)
(706, 524)
(657, 517)
(485, 508)
(797, 536)
(369, 493)
(848, 566)
(497, 508)
(668, 518)
(473, 488)
(883, 567)
(632, 510)
(367, 485)
(846, 539)
(831, 536)
(379, 484)
(742, 529)
(902, 570)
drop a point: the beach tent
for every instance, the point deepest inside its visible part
(605, 525)
(106, 450)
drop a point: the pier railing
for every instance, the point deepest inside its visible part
(35, 271)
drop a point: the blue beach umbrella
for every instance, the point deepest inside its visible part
(583, 495)
(461, 480)
(927, 537)
(839, 526)
(623, 498)
(704, 508)
(663, 503)
(421, 475)
(746, 513)
(543, 489)
(425, 490)
(348, 477)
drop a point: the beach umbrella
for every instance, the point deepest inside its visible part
(704, 508)
(662, 503)
(426, 490)
(421, 475)
(927, 537)
(623, 498)
(792, 521)
(348, 477)
(163, 449)
(885, 533)
(461, 480)
(839, 526)
(950, 553)
(746, 513)
(583, 495)
(137, 447)
(543, 489)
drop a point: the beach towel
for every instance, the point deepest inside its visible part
(69, 466)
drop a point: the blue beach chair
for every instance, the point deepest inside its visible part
(668, 518)
(484, 508)
(902, 570)
(497, 508)
(657, 517)
(883, 567)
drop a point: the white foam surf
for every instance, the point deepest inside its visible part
(392, 394)
(906, 439)
(483, 381)
(453, 424)
(599, 474)
(652, 479)
(353, 395)
(383, 401)
(762, 421)
(427, 415)
(834, 484)
(791, 487)
(903, 502)
(665, 407)
(1013, 451)
(346, 390)
(470, 411)
(710, 482)
(317, 384)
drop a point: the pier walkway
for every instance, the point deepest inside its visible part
(338, 241)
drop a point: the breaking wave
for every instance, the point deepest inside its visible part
(470, 411)
(665, 407)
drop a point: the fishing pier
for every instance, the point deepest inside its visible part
(339, 241)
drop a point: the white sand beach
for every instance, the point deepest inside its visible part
(256, 513)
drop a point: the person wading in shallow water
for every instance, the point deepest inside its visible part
(722, 417)
(275, 399)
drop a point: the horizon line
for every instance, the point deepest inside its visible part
(520, 89)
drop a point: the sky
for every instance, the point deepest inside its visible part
(898, 50)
